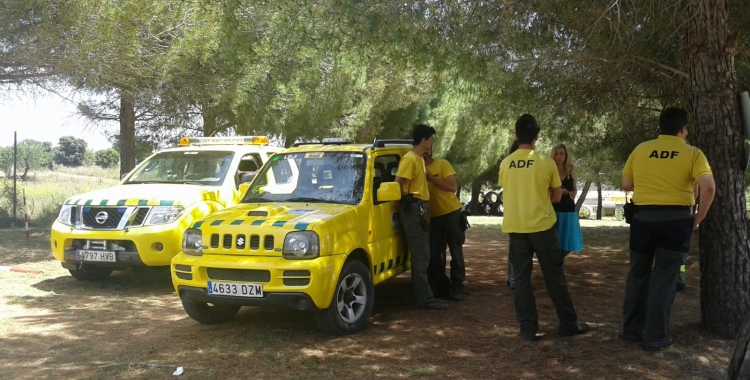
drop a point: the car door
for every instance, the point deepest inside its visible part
(387, 244)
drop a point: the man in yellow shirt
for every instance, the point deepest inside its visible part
(530, 185)
(414, 214)
(445, 212)
(661, 173)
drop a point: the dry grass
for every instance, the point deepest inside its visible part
(132, 326)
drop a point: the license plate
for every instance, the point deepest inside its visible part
(102, 256)
(236, 289)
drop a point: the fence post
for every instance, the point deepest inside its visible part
(25, 213)
(15, 193)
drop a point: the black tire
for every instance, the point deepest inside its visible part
(585, 212)
(346, 314)
(491, 197)
(91, 274)
(498, 209)
(480, 197)
(486, 208)
(208, 314)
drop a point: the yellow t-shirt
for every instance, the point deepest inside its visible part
(526, 178)
(441, 202)
(411, 167)
(664, 171)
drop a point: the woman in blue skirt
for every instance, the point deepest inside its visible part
(568, 227)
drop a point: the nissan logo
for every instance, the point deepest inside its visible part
(101, 217)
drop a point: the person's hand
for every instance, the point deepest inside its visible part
(697, 219)
(565, 191)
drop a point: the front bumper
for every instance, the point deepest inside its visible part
(294, 284)
(141, 246)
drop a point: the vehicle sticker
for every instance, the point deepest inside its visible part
(299, 211)
(314, 155)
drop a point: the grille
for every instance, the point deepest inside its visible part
(254, 242)
(227, 241)
(296, 273)
(268, 243)
(215, 241)
(251, 275)
(139, 217)
(184, 276)
(296, 281)
(241, 241)
(184, 268)
(113, 216)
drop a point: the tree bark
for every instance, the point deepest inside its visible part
(127, 132)
(599, 200)
(711, 94)
(739, 366)
(582, 196)
(209, 121)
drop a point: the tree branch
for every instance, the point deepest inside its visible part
(659, 65)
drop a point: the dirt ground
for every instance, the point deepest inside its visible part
(132, 326)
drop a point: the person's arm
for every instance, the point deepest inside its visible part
(573, 192)
(555, 194)
(401, 180)
(627, 184)
(707, 189)
(448, 184)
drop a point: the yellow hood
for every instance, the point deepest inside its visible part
(147, 195)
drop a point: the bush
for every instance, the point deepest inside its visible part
(107, 158)
(70, 152)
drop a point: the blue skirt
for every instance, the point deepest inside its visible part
(569, 232)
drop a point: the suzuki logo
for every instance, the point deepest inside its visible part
(101, 217)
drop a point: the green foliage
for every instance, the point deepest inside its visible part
(71, 151)
(107, 158)
(33, 155)
(6, 161)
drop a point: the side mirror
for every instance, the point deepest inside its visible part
(389, 191)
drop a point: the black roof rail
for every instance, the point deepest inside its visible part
(326, 141)
(382, 143)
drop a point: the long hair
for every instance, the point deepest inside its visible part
(568, 163)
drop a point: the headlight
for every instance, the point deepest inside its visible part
(164, 214)
(66, 213)
(301, 245)
(192, 242)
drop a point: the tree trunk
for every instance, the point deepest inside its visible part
(209, 121)
(739, 366)
(599, 200)
(582, 196)
(476, 188)
(289, 141)
(127, 132)
(712, 102)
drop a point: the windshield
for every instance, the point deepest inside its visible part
(324, 177)
(193, 167)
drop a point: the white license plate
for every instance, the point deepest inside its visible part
(102, 256)
(237, 289)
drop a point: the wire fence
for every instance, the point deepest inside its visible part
(46, 190)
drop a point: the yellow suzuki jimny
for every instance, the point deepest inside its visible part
(315, 231)
(140, 222)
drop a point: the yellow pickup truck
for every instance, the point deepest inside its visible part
(140, 221)
(316, 231)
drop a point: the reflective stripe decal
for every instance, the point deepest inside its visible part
(382, 267)
(390, 263)
(280, 223)
(198, 224)
(103, 202)
(257, 222)
(236, 222)
(301, 226)
(88, 202)
(121, 202)
(142, 202)
(398, 260)
(216, 222)
(166, 203)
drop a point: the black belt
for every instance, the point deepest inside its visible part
(663, 208)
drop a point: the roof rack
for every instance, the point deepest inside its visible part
(384, 142)
(326, 141)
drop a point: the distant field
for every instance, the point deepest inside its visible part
(47, 190)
